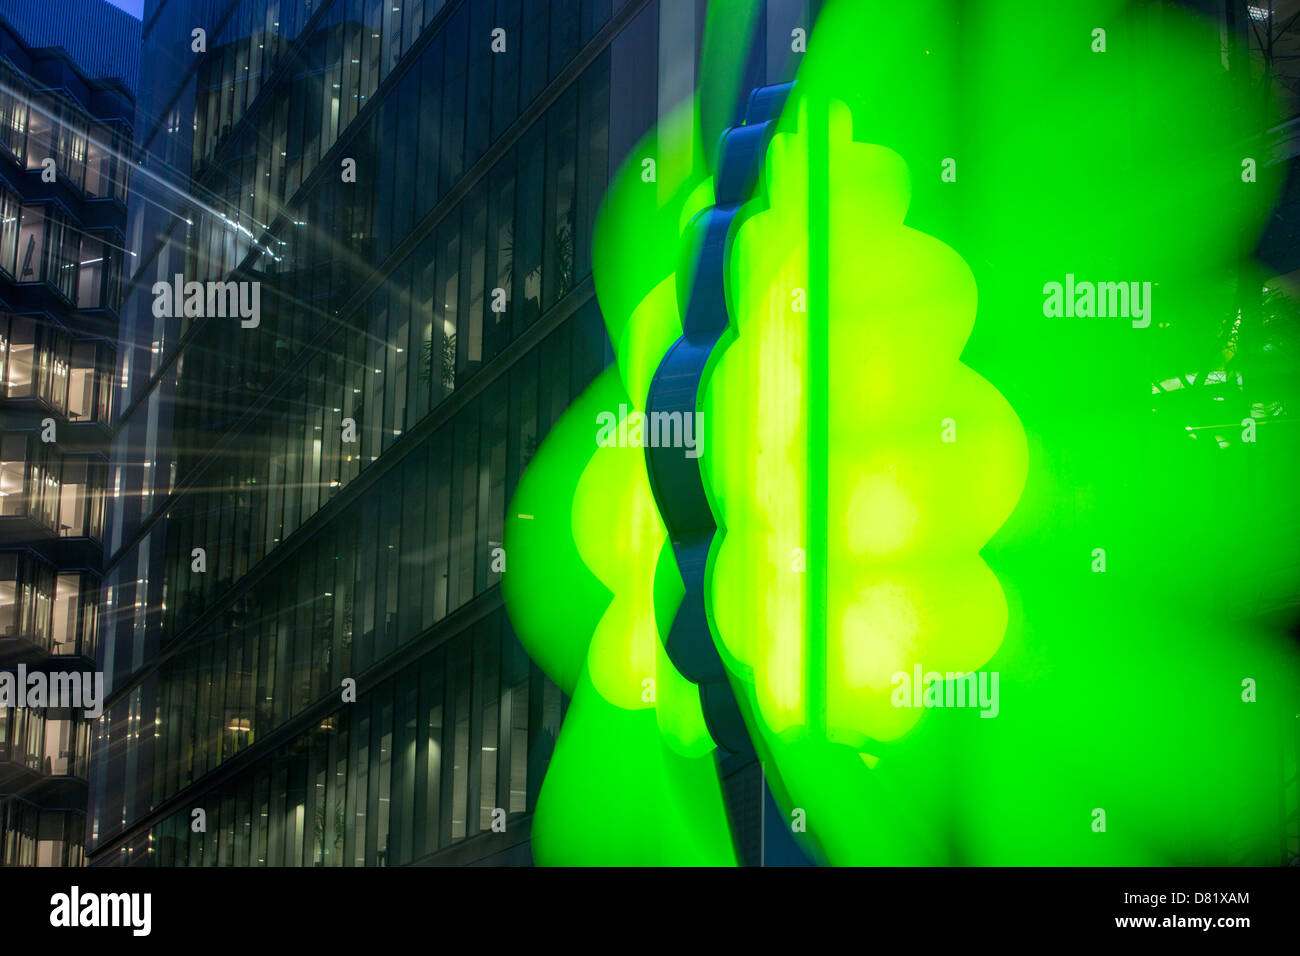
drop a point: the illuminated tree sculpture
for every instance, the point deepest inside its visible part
(814, 575)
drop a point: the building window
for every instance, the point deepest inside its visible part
(64, 746)
(90, 273)
(26, 598)
(9, 212)
(65, 494)
(81, 504)
(13, 114)
(24, 731)
(70, 143)
(62, 244)
(121, 170)
(43, 486)
(13, 475)
(19, 358)
(8, 596)
(39, 361)
(112, 297)
(31, 244)
(45, 250)
(39, 131)
(98, 273)
(81, 382)
(99, 161)
(75, 623)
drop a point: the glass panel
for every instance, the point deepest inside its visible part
(22, 358)
(13, 475)
(487, 676)
(81, 382)
(98, 161)
(8, 611)
(10, 209)
(13, 113)
(75, 498)
(31, 243)
(39, 127)
(90, 273)
(67, 605)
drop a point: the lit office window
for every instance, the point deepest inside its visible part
(31, 244)
(99, 161)
(62, 244)
(40, 128)
(76, 614)
(10, 208)
(13, 475)
(13, 113)
(90, 273)
(82, 382)
(26, 598)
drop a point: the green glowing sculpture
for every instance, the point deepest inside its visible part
(867, 473)
(857, 469)
(592, 586)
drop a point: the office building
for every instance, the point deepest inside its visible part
(313, 497)
(301, 625)
(66, 109)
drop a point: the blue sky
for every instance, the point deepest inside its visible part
(133, 7)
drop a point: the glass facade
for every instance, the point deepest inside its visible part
(420, 762)
(318, 499)
(64, 183)
(39, 124)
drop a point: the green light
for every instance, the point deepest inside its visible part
(893, 564)
(593, 588)
(869, 475)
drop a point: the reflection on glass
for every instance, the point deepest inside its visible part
(31, 243)
(13, 474)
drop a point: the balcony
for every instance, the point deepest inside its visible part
(46, 371)
(43, 757)
(46, 495)
(46, 615)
